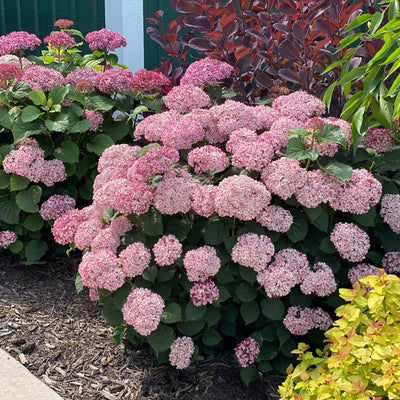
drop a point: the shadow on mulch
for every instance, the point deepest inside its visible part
(59, 336)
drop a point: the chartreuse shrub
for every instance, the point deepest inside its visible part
(361, 359)
(58, 113)
(233, 228)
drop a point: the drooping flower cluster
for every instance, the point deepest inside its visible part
(299, 321)
(105, 39)
(59, 40)
(201, 263)
(390, 211)
(167, 250)
(148, 81)
(181, 351)
(247, 351)
(350, 241)
(42, 78)
(6, 238)
(18, 41)
(143, 310)
(56, 206)
(28, 160)
(204, 292)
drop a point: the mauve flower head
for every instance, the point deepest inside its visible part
(247, 351)
(167, 250)
(321, 318)
(390, 211)
(209, 123)
(59, 40)
(135, 259)
(185, 98)
(148, 81)
(101, 270)
(56, 206)
(17, 41)
(242, 197)
(201, 263)
(378, 139)
(277, 133)
(252, 250)
(208, 158)
(65, 227)
(207, 71)
(115, 80)
(105, 39)
(152, 126)
(84, 74)
(204, 292)
(294, 261)
(118, 156)
(86, 232)
(203, 199)
(106, 239)
(42, 78)
(275, 218)
(8, 74)
(51, 172)
(107, 175)
(121, 225)
(63, 23)
(284, 176)
(299, 321)
(95, 118)
(320, 282)
(143, 310)
(350, 241)
(266, 116)
(181, 351)
(277, 280)
(391, 262)
(6, 238)
(360, 271)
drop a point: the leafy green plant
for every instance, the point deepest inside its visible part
(361, 358)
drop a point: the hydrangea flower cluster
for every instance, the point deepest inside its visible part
(6, 238)
(360, 271)
(204, 292)
(18, 41)
(185, 98)
(201, 263)
(63, 23)
(378, 139)
(9, 73)
(390, 211)
(56, 206)
(42, 78)
(59, 40)
(391, 262)
(181, 351)
(247, 351)
(115, 80)
(206, 159)
(148, 81)
(299, 321)
(105, 39)
(84, 76)
(167, 250)
(95, 119)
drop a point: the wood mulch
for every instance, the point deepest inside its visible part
(59, 336)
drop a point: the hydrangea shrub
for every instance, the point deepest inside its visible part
(58, 112)
(234, 227)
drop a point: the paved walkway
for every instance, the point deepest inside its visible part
(17, 383)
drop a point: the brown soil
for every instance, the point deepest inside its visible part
(59, 336)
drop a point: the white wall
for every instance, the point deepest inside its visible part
(126, 17)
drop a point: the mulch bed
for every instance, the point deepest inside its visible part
(59, 336)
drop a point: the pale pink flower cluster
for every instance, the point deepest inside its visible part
(105, 39)
(242, 197)
(207, 71)
(299, 105)
(266, 116)
(247, 351)
(299, 321)
(321, 282)
(275, 218)
(135, 259)
(181, 351)
(391, 262)
(115, 80)
(59, 40)
(16, 41)
(378, 139)
(145, 80)
(350, 241)
(101, 270)
(204, 292)
(118, 156)
(86, 232)
(28, 160)
(152, 127)
(201, 263)
(65, 227)
(209, 123)
(8, 74)
(143, 310)
(42, 78)
(167, 250)
(56, 206)
(94, 295)
(95, 118)
(203, 199)
(208, 158)
(86, 75)
(390, 211)
(6, 238)
(185, 98)
(360, 271)
(284, 176)
(316, 125)
(252, 250)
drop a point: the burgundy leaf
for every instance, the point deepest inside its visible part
(265, 18)
(199, 44)
(157, 36)
(289, 50)
(202, 24)
(288, 75)
(282, 27)
(257, 34)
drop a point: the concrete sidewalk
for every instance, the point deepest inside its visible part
(17, 383)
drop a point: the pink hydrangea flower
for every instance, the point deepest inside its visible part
(391, 262)
(8, 74)
(299, 321)
(107, 175)
(360, 271)
(14, 60)
(63, 23)
(350, 241)
(14, 42)
(277, 280)
(201, 263)
(121, 225)
(266, 116)
(294, 261)
(321, 282)
(322, 319)
(143, 310)
(390, 211)
(135, 259)
(84, 74)
(181, 351)
(6, 238)
(378, 139)
(105, 39)
(152, 127)
(207, 159)
(252, 250)
(149, 81)
(106, 239)
(118, 156)
(207, 71)
(209, 123)
(115, 80)
(65, 227)
(51, 171)
(95, 118)
(86, 232)
(60, 40)
(203, 199)
(42, 78)
(56, 206)
(242, 197)
(94, 295)
(167, 250)
(101, 270)
(204, 292)
(284, 176)
(247, 351)
(275, 218)
(185, 98)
